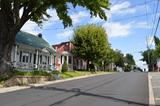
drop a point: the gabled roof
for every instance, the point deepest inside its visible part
(34, 41)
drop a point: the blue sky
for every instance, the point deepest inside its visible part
(129, 23)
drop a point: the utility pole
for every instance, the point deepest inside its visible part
(148, 53)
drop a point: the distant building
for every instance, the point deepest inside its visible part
(63, 52)
(31, 52)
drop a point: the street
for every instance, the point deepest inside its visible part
(119, 89)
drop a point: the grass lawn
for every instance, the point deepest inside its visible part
(64, 75)
(71, 74)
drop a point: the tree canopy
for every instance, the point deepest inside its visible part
(119, 59)
(150, 58)
(90, 43)
(129, 59)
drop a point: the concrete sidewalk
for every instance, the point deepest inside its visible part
(15, 88)
(154, 88)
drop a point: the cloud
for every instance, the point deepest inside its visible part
(76, 17)
(33, 28)
(117, 29)
(65, 34)
(122, 8)
(143, 25)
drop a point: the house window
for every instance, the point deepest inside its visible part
(20, 57)
(48, 59)
(61, 58)
(23, 58)
(54, 60)
(26, 59)
(70, 60)
(34, 59)
(40, 59)
(30, 58)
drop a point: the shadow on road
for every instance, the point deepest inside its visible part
(78, 92)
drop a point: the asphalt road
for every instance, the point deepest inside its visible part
(120, 89)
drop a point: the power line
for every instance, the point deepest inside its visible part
(154, 20)
(121, 19)
(133, 6)
(136, 5)
(157, 26)
(146, 14)
(136, 16)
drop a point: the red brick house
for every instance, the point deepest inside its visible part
(63, 52)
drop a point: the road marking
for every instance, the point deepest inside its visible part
(151, 95)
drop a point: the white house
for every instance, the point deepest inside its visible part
(31, 52)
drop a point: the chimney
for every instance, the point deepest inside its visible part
(40, 35)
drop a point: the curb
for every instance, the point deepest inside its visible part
(65, 80)
(16, 88)
(151, 94)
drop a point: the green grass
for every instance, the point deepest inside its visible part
(71, 74)
(64, 75)
(32, 73)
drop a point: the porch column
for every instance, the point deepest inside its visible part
(51, 62)
(72, 62)
(36, 66)
(15, 56)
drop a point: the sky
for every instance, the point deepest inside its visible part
(130, 26)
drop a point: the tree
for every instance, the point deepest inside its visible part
(90, 43)
(129, 60)
(150, 58)
(119, 59)
(156, 41)
(11, 21)
(108, 58)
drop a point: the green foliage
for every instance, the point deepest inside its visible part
(156, 41)
(150, 57)
(32, 73)
(109, 57)
(129, 62)
(119, 59)
(55, 72)
(90, 43)
(71, 74)
(36, 10)
(129, 59)
(64, 67)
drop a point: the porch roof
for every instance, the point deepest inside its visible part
(33, 40)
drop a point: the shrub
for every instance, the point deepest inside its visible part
(32, 73)
(55, 72)
(64, 66)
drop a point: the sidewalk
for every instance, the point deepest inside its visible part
(154, 88)
(15, 88)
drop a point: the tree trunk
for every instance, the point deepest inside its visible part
(7, 40)
(87, 65)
